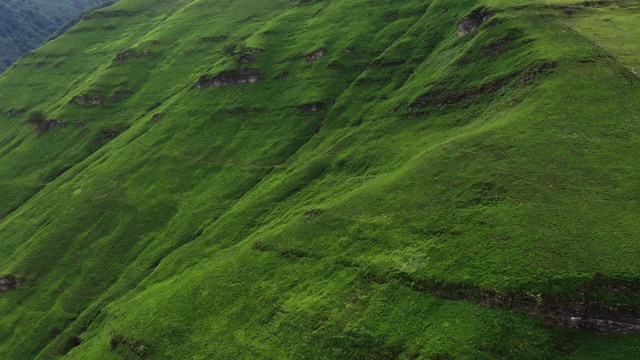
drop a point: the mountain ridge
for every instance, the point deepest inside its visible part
(297, 215)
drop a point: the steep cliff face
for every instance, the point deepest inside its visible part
(26, 24)
(324, 179)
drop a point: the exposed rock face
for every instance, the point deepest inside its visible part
(126, 55)
(247, 55)
(536, 71)
(315, 55)
(247, 58)
(254, 50)
(47, 125)
(87, 99)
(472, 21)
(8, 283)
(157, 117)
(228, 78)
(116, 97)
(586, 309)
(313, 107)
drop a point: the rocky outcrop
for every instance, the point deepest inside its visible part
(601, 304)
(129, 54)
(119, 93)
(47, 126)
(87, 99)
(472, 21)
(254, 50)
(228, 78)
(315, 55)
(247, 58)
(15, 112)
(313, 107)
(248, 55)
(9, 283)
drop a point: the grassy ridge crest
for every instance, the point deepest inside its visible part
(304, 179)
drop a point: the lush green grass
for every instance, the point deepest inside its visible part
(241, 224)
(613, 28)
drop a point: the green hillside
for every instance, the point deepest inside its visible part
(299, 179)
(26, 24)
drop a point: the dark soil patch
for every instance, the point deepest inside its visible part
(112, 134)
(47, 126)
(446, 98)
(472, 21)
(536, 71)
(494, 49)
(282, 75)
(41, 123)
(500, 47)
(214, 39)
(261, 246)
(296, 253)
(481, 194)
(73, 342)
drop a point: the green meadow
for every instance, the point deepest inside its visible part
(282, 179)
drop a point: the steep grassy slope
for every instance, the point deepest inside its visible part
(26, 24)
(323, 179)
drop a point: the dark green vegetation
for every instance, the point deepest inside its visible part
(26, 24)
(324, 179)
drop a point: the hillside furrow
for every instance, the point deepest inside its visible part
(322, 180)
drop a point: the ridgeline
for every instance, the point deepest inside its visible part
(283, 179)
